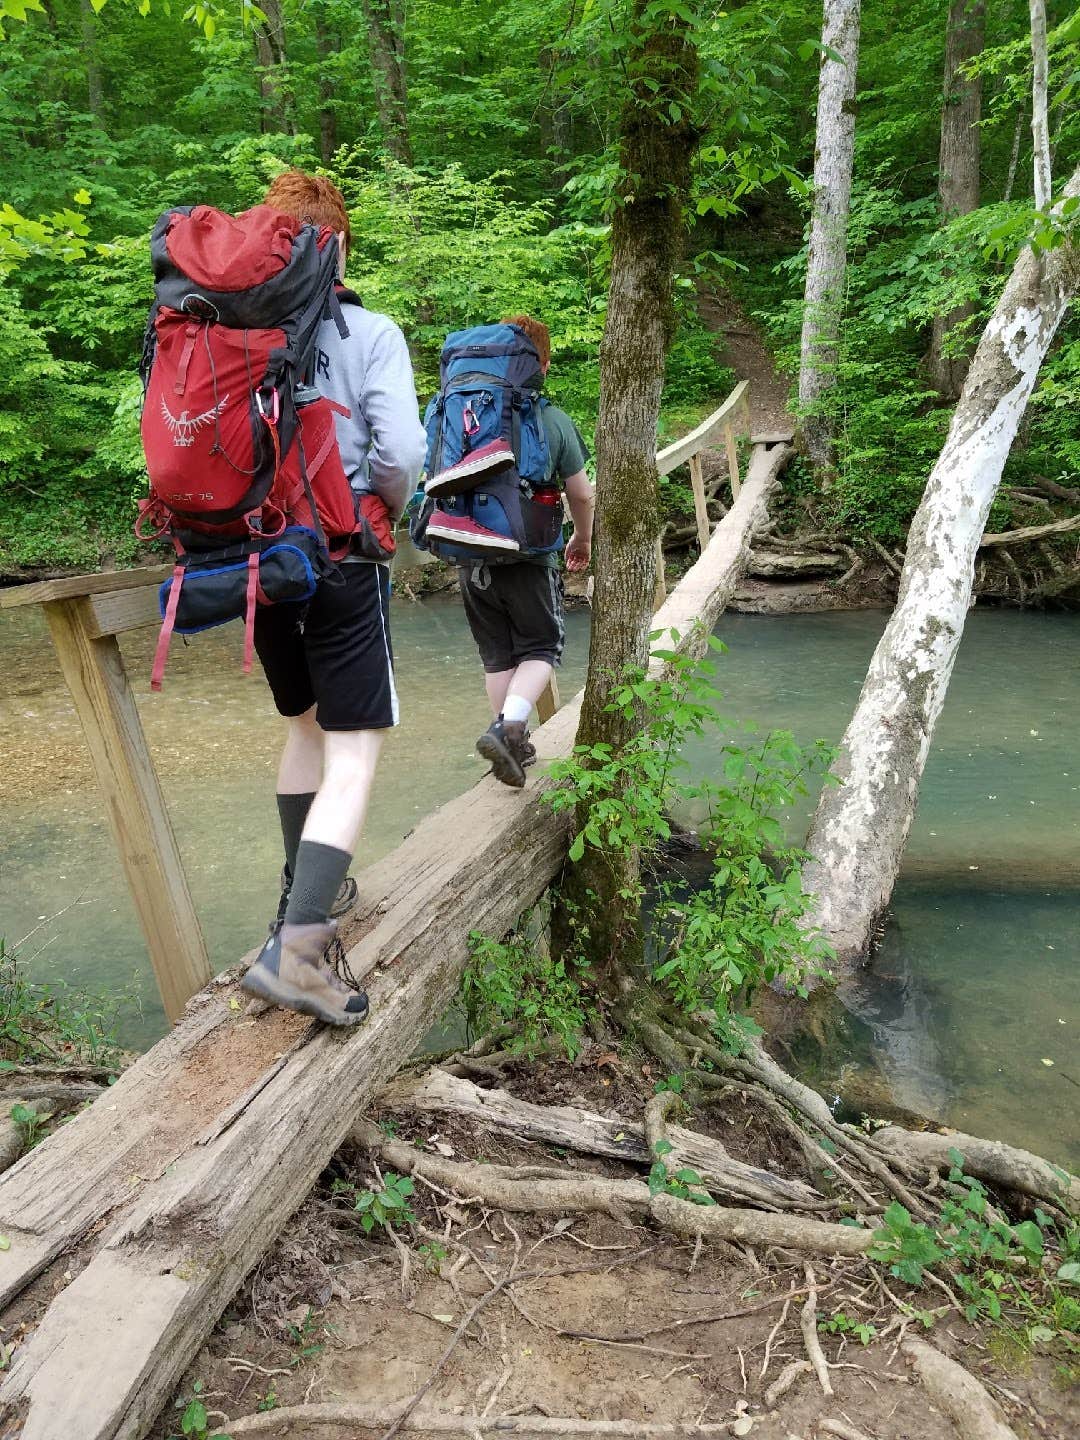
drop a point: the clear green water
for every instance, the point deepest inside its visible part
(977, 980)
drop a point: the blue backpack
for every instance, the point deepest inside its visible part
(486, 495)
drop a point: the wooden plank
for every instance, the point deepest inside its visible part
(120, 610)
(773, 437)
(701, 513)
(95, 675)
(660, 588)
(549, 701)
(37, 592)
(732, 460)
(113, 1343)
(704, 434)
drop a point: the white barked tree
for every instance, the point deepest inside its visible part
(861, 826)
(834, 152)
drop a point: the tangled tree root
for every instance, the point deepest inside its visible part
(998, 1164)
(957, 1392)
(545, 1191)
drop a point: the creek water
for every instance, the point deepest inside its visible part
(973, 990)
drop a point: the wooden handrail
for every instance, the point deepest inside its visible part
(706, 433)
(73, 587)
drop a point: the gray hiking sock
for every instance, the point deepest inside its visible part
(293, 810)
(320, 869)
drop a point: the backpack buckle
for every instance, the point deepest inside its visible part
(271, 417)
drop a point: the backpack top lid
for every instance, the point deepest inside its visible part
(503, 352)
(247, 270)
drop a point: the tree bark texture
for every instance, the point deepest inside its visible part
(270, 49)
(94, 94)
(860, 827)
(386, 40)
(327, 46)
(958, 169)
(1040, 130)
(827, 258)
(656, 155)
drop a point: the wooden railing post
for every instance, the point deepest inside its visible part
(95, 675)
(732, 460)
(701, 513)
(549, 701)
(660, 590)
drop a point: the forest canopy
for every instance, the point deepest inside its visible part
(477, 150)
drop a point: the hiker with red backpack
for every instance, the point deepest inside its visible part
(499, 459)
(282, 440)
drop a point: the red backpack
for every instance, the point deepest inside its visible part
(245, 474)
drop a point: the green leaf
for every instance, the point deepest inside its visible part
(1069, 1273)
(5, 1243)
(194, 1418)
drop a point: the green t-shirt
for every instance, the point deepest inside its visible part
(567, 454)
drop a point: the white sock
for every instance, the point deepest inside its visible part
(516, 707)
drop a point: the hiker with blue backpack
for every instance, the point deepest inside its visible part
(282, 442)
(499, 459)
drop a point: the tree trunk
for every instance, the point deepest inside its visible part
(275, 117)
(1040, 129)
(326, 47)
(860, 828)
(600, 892)
(386, 39)
(958, 170)
(90, 59)
(827, 258)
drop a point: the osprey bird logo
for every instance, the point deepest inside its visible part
(185, 427)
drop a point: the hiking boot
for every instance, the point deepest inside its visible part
(463, 530)
(504, 744)
(343, 902)
(292, 971)
(528, 752)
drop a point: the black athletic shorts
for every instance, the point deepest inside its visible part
(334, 652)
(515, 612)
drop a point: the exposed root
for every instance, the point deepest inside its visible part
(842, 1430)
(500, 1186)
(574, 1128)
(998, 1164)
(785, 1380)
(808, 1325)
(297, 1420)
(957, 1392)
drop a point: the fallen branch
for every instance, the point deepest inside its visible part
(808, 1325)
(957, 1392)
(310, 1418)
(709, 1317)
(1030, 532)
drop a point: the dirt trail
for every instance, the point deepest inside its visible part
(624, 1324)
(748, 355)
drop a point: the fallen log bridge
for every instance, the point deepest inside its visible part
(140, 1218)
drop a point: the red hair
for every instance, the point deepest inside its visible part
(311, 199)
(537, 332)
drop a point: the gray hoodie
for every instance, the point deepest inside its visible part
(382, 441)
